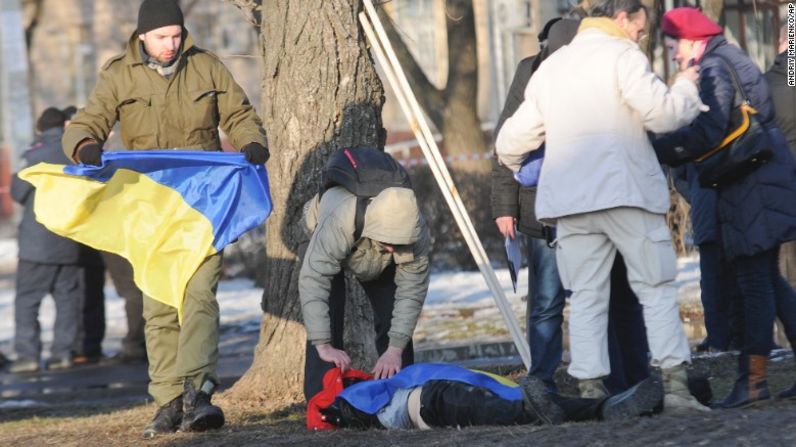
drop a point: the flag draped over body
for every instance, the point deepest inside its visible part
(165, 211)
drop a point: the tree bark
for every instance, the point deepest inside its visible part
(320, 92)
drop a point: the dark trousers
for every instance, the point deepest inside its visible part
(93, 330)
(121, 272)
(765, 293)
(627, 337)
(720, 298)
(33, 282)
(447, 403)
(545, 311)
(381, 294)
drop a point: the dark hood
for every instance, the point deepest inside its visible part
(561, 34)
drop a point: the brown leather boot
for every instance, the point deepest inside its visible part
(751, 385)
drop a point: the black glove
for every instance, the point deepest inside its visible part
(90, 154)
(256, 153)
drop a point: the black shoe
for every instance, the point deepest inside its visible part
(702, 346)
(790, 393)
(124, 358)
(538, 403)
(199, 413)
(638, 400)
(167, 419)
(344, 415)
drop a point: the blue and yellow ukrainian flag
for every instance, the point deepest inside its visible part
(165, 211)
(372, 395)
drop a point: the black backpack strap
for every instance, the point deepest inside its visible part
(736, 82)
(359, 216)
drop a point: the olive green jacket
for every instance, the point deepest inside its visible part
(392, 217)
(183, 112)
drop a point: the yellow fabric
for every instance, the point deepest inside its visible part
(604, 24)
(130, 215)
(500, 379)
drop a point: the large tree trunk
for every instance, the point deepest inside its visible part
(320, 92)
(453, 109)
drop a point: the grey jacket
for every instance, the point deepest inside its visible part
(37, 243)
(391, 218)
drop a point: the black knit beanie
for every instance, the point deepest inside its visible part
(51, 117)
(155, 14)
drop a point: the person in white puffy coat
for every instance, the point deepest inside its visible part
(592, 104)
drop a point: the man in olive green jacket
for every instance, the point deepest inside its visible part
(168, 94)
(390, 261)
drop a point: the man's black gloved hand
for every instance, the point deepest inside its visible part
(256, 153)
(90, 154)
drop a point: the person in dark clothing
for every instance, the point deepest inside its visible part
(783, 97)
(756, 213)
(719, 296)
(48, 264)
(513, 204)
(91, 329)
(437, 395)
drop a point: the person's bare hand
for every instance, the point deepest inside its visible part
(388, 364)
(505, 225)
(327, 353)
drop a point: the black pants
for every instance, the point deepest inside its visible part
(447, 403)
(33, 282)
(93, 330)
(121, 272)
(627, 335)
(381, 294)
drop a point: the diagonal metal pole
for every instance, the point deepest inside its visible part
(408, 102)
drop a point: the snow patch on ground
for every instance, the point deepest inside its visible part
(455, 298)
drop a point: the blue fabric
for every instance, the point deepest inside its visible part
(371, 396)
(545, 311)
(531, 168)
(757, 212)
(230, 192)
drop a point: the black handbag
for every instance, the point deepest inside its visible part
(742, 151)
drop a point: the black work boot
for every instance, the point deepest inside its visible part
(638, 400)
(166, 420)
(537, 402)
(199, 413)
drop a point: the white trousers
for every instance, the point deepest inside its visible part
(586, 248)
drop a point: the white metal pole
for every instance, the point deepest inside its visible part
(411, 108)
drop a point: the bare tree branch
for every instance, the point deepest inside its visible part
(431, 99)
(32, 10)
(252, 9)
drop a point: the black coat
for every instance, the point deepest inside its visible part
(757, 212)
(784, 99)
(509, 198)
(703, 201)
(37, 243)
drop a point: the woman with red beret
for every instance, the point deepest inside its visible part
(756, 212)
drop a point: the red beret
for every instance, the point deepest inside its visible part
(689, 23)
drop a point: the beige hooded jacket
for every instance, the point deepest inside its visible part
(392, 217)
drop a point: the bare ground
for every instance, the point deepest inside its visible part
(116, 417)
